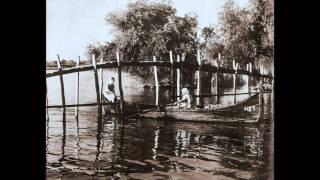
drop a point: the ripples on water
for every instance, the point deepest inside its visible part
(109, 148)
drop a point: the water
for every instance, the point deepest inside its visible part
(108, 148)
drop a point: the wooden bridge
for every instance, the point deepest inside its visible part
(173, 65)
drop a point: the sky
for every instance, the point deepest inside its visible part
(73, 24)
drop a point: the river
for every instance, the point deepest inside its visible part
(93, 148)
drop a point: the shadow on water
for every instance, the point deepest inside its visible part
(96, 146)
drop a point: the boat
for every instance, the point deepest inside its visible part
(248, 111)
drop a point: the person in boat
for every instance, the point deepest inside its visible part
(185, 101)
(259, 87)
(110, 95)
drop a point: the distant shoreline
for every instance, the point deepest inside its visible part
(52, 65)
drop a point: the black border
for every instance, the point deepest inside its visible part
(24, 85)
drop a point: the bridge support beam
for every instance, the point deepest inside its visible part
(178, 77)
(61, 80)
(96, 79)
(198, 90)
(76, 110)
(156, 81)
(120, 82)
(235, 67)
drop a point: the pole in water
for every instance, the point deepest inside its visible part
(262, 73)
(76, 110)
(217, 77)
(178, 77)
(61, 81)
(96, 82)
(235, 67)
(172, 76)
(249, 69)
(156, 81)
(120, 82)
(183, 57)
(198, 79)
(101, 82)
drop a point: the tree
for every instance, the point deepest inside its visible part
(107, 51)
(248, 32)
(262, 30)
(235, 28)
(148, 28)
(211, 44)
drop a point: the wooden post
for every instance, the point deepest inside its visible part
(262, 73)
(235, 67)
(96, 82)
(101, 83)
(171, 76)
(76, 110)
(178, 77)
(183, 56)
(198, 79)
(156, 81)
(61, 81)
(249, 68)
(120, 82)
(212, 83)
(217, 77)
(64, 127)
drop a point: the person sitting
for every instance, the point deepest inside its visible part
(110, 95)
(185, 101)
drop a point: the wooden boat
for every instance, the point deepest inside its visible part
(249, 110)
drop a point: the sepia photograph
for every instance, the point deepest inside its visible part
(159, 89)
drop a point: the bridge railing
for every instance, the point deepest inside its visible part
(113, 64)
(177, 65)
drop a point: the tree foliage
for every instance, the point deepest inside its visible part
(107, 51)
(235, 27)
(212, 44)
(247, 32)
(148, 28)
(262, 30)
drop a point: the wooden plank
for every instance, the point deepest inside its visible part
(76, 110)
(228, 94)
(120, 82)
(94, 104)
(96, 80)
(61, 80)
(156, 81)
